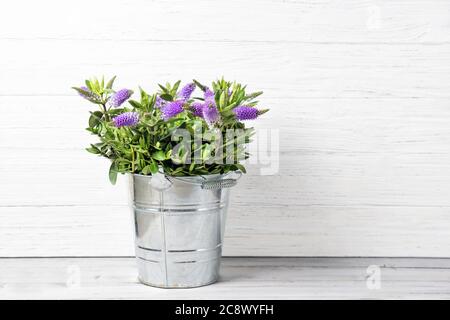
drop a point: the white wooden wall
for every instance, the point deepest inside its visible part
(358, 89)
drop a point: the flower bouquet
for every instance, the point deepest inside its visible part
(183, 148)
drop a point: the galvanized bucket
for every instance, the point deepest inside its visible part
(179, 226)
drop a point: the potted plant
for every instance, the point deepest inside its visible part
(182, 153)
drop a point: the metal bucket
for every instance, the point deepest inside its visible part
(179, 226)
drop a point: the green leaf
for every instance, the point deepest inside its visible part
(241, 167)
(206, 152)
(222, 100)
(146, 170)
(153, 167)
(163, 88)
(177, 170)
(87, 95)
(135, 104)
(159, 155)
(151, 101)
(198, 84)
(113, 173)
(95, 118)
(89, 85)
(176, 85)
(166, 97)
(253, 95)
(262, 111)
(230, 107)
(110, 83)
(81, 91)
(93, 149)
(144, 96)
(96, 85)
(252, 104)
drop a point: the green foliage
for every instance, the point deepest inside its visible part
(155, 144)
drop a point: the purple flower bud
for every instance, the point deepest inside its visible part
(84, 89)
(209, 94)
(171, 109)
(160, 102)
(89, 96)
(245, 113)
(127, 119)
(186, 91)
(210, 112)
(120, 97)
(197, 109)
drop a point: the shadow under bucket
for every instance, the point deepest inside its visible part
(179, 226)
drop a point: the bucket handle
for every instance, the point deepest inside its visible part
(213, 184)
(218, 184)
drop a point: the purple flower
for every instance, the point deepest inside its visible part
(197, 109)
(186, 91)
(160, 102)
(245, 113)
(209, 94)
(120, 97)
(127, 119)
(210, 112)
(171, 109)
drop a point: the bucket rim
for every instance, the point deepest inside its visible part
(204, 176)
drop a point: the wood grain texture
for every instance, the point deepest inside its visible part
(282, 278)
(252, 230)
(348, 21)
(358, 90)
(294, 70)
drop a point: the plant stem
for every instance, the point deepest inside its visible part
(105, 111)
(132, 160)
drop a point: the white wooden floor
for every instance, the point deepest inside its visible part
(241, 278)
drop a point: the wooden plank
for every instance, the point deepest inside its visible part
(266, 21)
(76, 178)
(306, 125)
(294, 70)
(313, 278)
(332, 152)
(251, 230)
